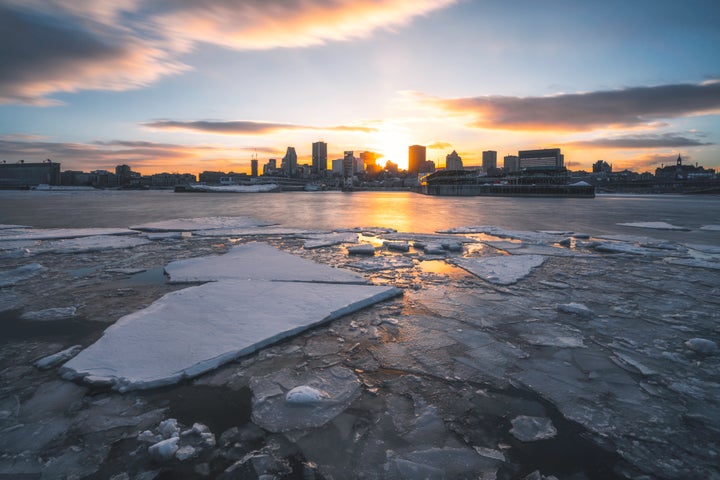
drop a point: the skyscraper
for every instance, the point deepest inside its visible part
(289, 162)
(254, 167)
(319, 157)
(416, 158)
(489, 160)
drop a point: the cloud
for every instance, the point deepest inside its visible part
(647, 162)
(245, 127)
(41, 56)
(666, 140)
(52, 46)
(141, 156)
(439, 146)
(626, 107)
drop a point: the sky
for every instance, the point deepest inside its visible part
(187, 86)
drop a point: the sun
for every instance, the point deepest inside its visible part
(392, 144)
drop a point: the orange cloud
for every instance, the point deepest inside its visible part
(52, 46)
(245, 127)
(627, 107)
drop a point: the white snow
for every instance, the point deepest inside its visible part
(328, 240)
(49, 314)
(188, 332)
(500, 270)
(256, 261)
(59, 233)
(264, 187)
(198, 223)
(8, 278)
(654, 225)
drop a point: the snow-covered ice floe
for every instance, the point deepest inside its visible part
(500, 270)
(654, 225)
(256, 261)
(382, 263)
(191, 331)
(330, 239)
(199, 223)
(59, 233)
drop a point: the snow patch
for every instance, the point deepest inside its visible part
(654, 226)
(56, 359)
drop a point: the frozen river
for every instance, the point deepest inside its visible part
(403, 211)
(532, 338)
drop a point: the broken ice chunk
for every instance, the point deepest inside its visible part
(305, 395)
(531, 429)
(164, 450)
(328, 240)
(49, 314)
(501, 270)
(702, 346)
(576, 309)
(9, 278)
(57, 358)
(362, 249)
(397, 246)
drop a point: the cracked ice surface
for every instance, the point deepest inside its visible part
(200, 223)
(60, 233)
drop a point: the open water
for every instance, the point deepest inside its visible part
(403, 211)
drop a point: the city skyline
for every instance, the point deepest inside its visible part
(186, 87)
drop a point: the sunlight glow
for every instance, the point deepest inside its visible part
(392, 143)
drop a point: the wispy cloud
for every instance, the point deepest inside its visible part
(52, 46)
(665, 140)
(628, 107)
(140, 155)
(246, 127)
(439, 146)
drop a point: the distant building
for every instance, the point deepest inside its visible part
(544, 159)
(211, 178)
(511, 163)
(416, 158)
(427, 167)
(601, 166)
(680, 171)
(254, 167)
(270, 167)
(489, 160)
(453, 161)
(349, 164)
(319, 157)
(289, 162)
(23, 174)
(337, 167)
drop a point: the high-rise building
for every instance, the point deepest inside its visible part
(453, 161)
(349, 163)
(289, 162)
(547, 158)
(511, 163)
(416, 158)
(254, 167)
(319, 157)
(489, 160)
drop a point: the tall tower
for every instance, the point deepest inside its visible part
(416, 158)
(489, 160)
(254, 167)
(319, 157)
(453, 161)
(289, 162)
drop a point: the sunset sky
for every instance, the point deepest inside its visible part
(187, 86)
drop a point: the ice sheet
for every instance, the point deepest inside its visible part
(256, 261)
(192, 331)
(198, 223)
(9, 278)
(501, 270)
(58, 233)
(328, 240)
(89, 244)
(654, 225)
